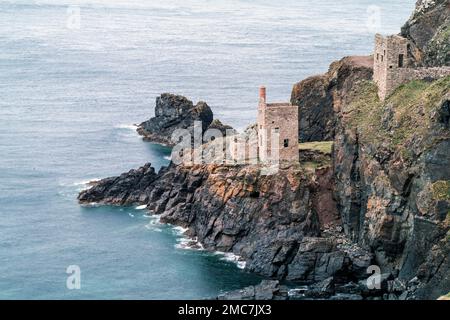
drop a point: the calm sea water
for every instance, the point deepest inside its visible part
(69, 96)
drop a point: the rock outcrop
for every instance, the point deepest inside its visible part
(122, 190)
(174, 112)
(320, 97)
(428, 29)
(385, 200)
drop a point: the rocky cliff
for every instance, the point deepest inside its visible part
(320, 97)
(392, 173)
(391, 168)
(428, 29)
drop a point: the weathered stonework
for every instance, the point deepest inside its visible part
(392, 65)
(277, 119)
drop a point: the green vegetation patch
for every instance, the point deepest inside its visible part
(405, 114)
(441, 190)
(324, 147)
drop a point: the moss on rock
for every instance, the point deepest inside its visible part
(441, 190)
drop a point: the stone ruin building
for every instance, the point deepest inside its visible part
(393, 65)
(277, 131)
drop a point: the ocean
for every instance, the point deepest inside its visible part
(75, 76)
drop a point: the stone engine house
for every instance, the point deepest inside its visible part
(393, 66)
(277, 131)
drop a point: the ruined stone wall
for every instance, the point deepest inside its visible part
(404, 75)
(433, 73)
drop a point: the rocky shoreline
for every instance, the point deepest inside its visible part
(271, 222)
(379, 199)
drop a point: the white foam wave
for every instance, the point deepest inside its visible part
(143, 207)
(152, 227)
(231, 257)
(180, 230)
(168, 158)
(85, 184)
(189, 244)
(298, 292)
(155, 220)
(91, 205)
(154, 224)
(185, 242)
(126, 126)
(127, 131)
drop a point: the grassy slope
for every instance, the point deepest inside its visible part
(405, 115)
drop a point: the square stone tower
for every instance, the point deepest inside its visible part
(277, 131)
(390, 59)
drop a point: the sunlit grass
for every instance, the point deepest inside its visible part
(321, 146)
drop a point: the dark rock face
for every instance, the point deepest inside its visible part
(429, 32)
(389, 161)
(266, 290)
(316, 116)
(384, 185)
(174, 112)
(319, 97)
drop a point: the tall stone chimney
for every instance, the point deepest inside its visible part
(262, 94)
